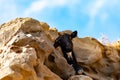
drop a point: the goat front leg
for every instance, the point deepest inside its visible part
(77, 68)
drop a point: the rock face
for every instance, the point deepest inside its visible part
(27, 53)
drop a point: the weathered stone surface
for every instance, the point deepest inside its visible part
(27, 53)
(88, 50)
(80, 77)
(17, 63)
(23, 51)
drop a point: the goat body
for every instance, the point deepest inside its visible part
(65, 42)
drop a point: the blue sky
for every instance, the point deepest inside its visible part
(93, 18)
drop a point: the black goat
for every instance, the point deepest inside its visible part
(65, 42)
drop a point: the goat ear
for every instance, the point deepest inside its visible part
(74, 34)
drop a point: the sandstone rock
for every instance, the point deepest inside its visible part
(80, 77)
(27, 53)
(116, 44)
(27, 25)
(23, 50)
(17, 64)
(88, 50)
(59, 65)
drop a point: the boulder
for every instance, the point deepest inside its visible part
(80, 77)
(24, 47)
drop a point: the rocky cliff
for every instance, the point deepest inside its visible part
(27, 53)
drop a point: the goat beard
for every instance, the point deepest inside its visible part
(69, 54)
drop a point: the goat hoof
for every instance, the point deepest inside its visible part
(80, 71)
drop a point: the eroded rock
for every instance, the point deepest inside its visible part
(27, 53)
(80, 77)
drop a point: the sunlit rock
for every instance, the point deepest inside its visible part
(27, 53)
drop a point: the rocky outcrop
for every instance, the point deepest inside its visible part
(27, 53)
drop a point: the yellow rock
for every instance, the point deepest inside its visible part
(27, 53)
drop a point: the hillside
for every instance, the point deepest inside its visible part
(27, 53)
